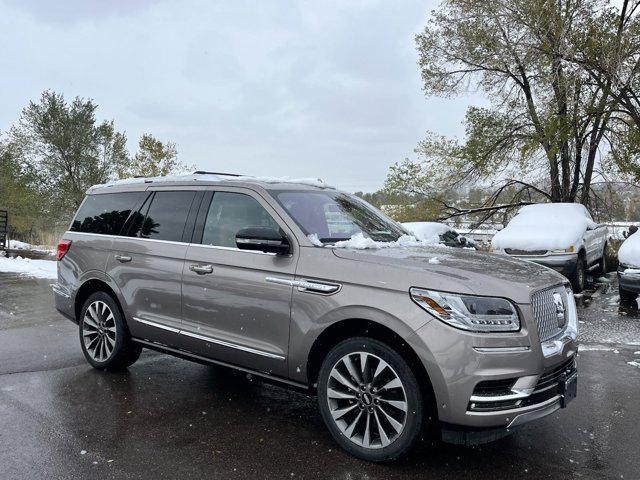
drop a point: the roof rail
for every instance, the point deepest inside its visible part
(203, 172)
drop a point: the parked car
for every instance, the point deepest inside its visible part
(437, 232)
(267, 277)
(562, 236)
(629, 267)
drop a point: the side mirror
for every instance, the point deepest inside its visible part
(263, 239)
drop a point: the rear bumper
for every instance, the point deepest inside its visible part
(63, 302)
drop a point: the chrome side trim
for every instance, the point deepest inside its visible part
(522, 388)
(206, 338)
(157, 325)
(243, 348)
(231, 249)
(502, 349)
(306, 286)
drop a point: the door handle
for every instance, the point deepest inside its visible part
(201, 269)
(123, 258)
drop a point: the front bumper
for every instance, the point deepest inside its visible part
(564, 263)
(461, 363)
(629, 279)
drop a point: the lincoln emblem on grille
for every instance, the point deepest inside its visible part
(557, 300)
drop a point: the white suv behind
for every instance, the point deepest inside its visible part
(562, 236)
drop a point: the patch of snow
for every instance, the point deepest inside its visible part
(595, 348)
(28, 267)
(18, 245)
(634, 364)
(602, 280)
(427, 231)
(312, 182)
(629, 253)
(544, 226)
(360, 242)
(313, 238)
(434, 260)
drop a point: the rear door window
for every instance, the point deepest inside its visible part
(230, 212)
(165, 216)
(105, 214)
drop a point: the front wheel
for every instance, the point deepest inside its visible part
(370, 399)
(626, 296)
(103, 336)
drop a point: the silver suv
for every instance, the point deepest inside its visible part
(272, 278)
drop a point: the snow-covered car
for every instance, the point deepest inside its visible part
(435, 232)
(562, 236)
(629, 267)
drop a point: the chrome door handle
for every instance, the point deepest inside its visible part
(123, 258)
(201, 269)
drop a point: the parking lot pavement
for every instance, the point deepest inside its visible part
(168, 418)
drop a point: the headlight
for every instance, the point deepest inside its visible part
(468, 312)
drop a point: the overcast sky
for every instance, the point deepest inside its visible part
(302, 89)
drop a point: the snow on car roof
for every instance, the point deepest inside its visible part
(210, 177)
(544, 226)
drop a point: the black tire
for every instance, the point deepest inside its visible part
(626, 296)
(602, 265)
(409, 391)
(104, 338)
(578, 277)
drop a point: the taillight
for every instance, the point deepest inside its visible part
(63, 248)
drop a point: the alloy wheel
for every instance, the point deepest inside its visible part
(99, 331)
(367, 400)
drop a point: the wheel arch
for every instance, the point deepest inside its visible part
(358, 327)
(92, 285)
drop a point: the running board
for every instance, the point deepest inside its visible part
(209, 361)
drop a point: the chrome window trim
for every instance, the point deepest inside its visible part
(232, 249)
(127, 238)
(206, 338)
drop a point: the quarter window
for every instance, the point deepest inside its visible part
(231, 212)
(105, 213)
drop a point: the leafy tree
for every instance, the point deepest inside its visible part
(153, 159)
(65, 147)
(550, 120)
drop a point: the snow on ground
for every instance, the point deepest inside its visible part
(427, 231)
(629, 253)
(28, 267)
(544, 226)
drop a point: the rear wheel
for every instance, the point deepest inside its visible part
(579, 276)
(370, 399)
(103, 336)
(602, 265)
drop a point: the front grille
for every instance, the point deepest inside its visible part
(545, 312)
(515, 251)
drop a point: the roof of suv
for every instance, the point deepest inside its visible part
(268, 183)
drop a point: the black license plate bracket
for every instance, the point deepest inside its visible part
(568, 389)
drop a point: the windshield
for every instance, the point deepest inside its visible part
(335, 216)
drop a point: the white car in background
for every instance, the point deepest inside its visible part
(629, 268)
(562, 236)
(436, 232)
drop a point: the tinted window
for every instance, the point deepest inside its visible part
(106, 213)
(166, 215)
(334, 216)
(230, 212)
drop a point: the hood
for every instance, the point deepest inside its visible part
(460, 270)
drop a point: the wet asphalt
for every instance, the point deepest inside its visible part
(169, 418)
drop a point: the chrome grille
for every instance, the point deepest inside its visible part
(545, 313)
